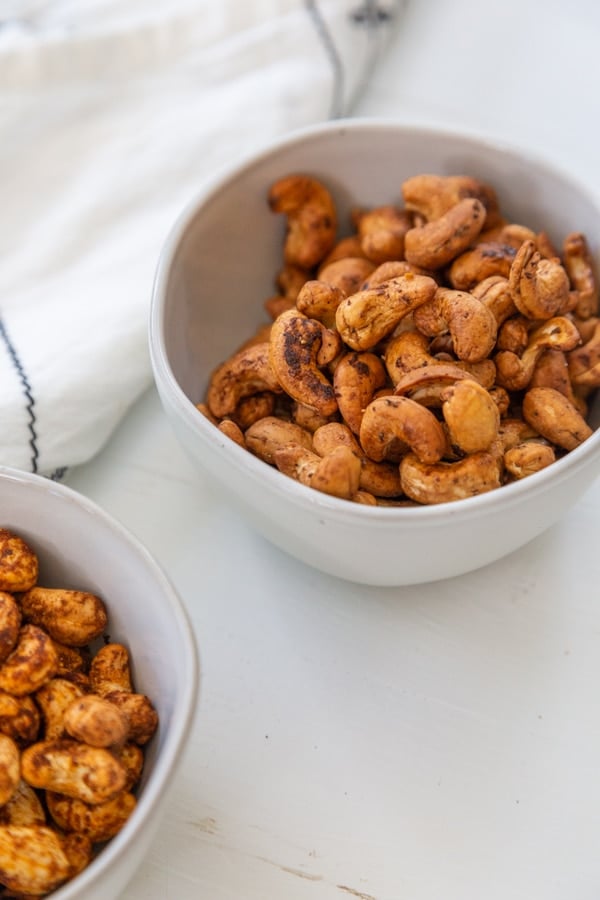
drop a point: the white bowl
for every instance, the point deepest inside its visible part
(81, 547)
(215, 272)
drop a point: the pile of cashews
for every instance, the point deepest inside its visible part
(437, 352)
(72, 728)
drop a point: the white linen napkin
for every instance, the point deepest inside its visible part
(112, 113)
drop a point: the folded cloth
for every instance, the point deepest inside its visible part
(112, 114)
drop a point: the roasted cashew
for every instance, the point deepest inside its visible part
(289, 281)
(579, 266)
(295, 344)
(345, 247)
(19, 718)
(529, 457)
(319, 300)
(311, 218)
(269, 434)
(98, 822)
(382, 231)
(514, 372)
(247, 372)
(308, 418)
(482, 261)
(141, 716)
(370, 315)
(508, 233)
(434, 195)
(411, 350)
(336, 474)
(92, 774)
(347, 275)
(552, 370)
(23, 808)
(132, 759)
(471, 325)
(392, 425)
(33, 859)
(377, 479)
(10, 769)
(53, 699)
(110, 670)
(32, 662)
(443, 482)
(251, 409)
(513, 334)
(515, 431)
(18, 563)
(495, 294)
(95, 721)
(539, 286)
(393, 269)
(356, 378)
(439, 242)
(555, 417)
(70, 617)
(584, 362)
(10, 623)
(426, 384)
(472, 416)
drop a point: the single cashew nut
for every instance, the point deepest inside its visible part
(346, 275)
(70, 659)
(439, 242)
(70, 617)
(139, 713)
(392, 425)
(311, 218)
(494, 293)
(110, 670)
(579, 266)
(131, 757)
(356, 378)
(472, 326)
(33, 662)
(91, 774)
(382, 231)
(54, 698)
(584, 362)
(10, 624)
(394, 269)
(10, 768)
(33, 860)
(95, 721)
(433, 195)
(529, 457)
(18, 563)
(370, 315)
(553, 416)
(482, 261)
(336, 474)
(426, 385)
(320, 300)
(247, 372)
(377, 479)
(267, 435)
(229, 428)
(344, 248)
(472, 416)
(444, 482)
(515, 431)
(514, 372)
(539, 286)
(23, 808)
(295, 345)
(19, 718)
(513, 334)
(552, 370)
(98, 822)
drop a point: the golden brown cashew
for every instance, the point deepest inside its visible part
(23, 808)
(529, 457)
(472, 416)
(70, 617)
(356, 378)
(95, 721)
(584, 362)
(411, 350)
(98, 822)
(54, 698)
(514, 334)
(289, 281)
(393, 269)
(425, 385)
(131, 758)
(515, 431)
(555, 417)
(33, 662)
(92, 774)
(253, 408)
(33, 861)
(382, 231)
(19, 718)
(345, 247)
(247, 372)
(311, 218)
(294, 349)
(70, 660)
(377, 479)
(368, 316)
(392, 425)
(308, 418)
(348, 274)
(434, 195)
(580, 269)
(482, 261)
(269, 434)
(336, 474)
(439, 242)
(552, 370)
(110, 670)
(539, 286)
(319, 300)
(508, 233)
(444, 482)
(10, 623)
(514, 372)
(495, 294)
(10, 769)
(471, 325)
(18, 563)
(139, 712)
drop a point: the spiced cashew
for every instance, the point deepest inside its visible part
(266, 436)
(247, 372)
(439, 242)
(379, 479)
(392, 425)
(347, 275)
(584, 362)
(433, 195)
(529, 457)
(471, 325)
(539, 286)
(319, 300)
(410, 350)
(355, 380)
(443, 482)
(337, 473)
(472, 416)
(295, 344)
(579, 266)
(382, 231)
(482, 261)
(494, 293)
(555, 417)
(311, 218)
(514, 372)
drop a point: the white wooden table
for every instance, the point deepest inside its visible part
(426, 743)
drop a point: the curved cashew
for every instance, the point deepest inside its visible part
(92, 774)
(426, 384)
(296, 342)
(23, 808)
(336, 474)
(251, 409)
(54, 698)
(486, 259)
(382, 231)
(19, 718)
(10, 623)
(319, 300)
(584, 362)
(471, 325)
(552, 370)
(529, 457)
(439, 242)
(18, 563)
(508, 233)
(433, 195)
(95, 721)
(579, 266)
(539, 286)
(444, 482)
(267, 435)
(377, 479)
(514, 372)
(392, 425)
(513, 334)
(247, 372)
(311, 218)
(346, 275)
(555, 417)
(356, 378)
(393, 269)
(370, 315)
(411, 350)
(495, 294)
(472, 416)
(110, 670)
(70, 617)
(32, 662)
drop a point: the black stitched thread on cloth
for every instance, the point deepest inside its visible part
(337, 99)
(30, 401)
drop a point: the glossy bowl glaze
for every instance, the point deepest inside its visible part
(80, 546)
(218, 267)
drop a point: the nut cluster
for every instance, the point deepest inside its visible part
(438, 351)
(72, 728)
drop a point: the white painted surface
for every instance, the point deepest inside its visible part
(439, 741)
